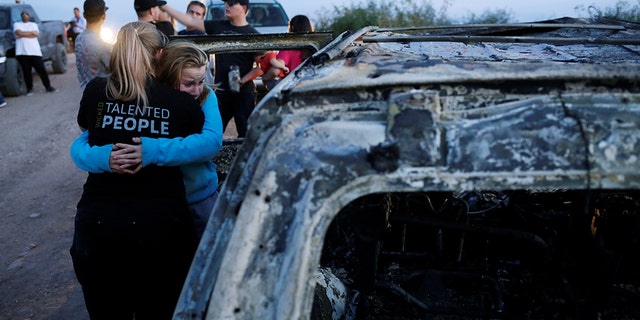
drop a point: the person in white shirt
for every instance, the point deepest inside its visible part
(78, 24)
(29, 54)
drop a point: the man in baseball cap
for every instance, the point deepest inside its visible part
(144, 5)
(149, 11)
(240, 2)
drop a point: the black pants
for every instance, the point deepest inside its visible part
(236, 105)
(72, 38)
(132, 270)
(72, 34)
(35, 62)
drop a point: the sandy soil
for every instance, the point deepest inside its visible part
(39, 189)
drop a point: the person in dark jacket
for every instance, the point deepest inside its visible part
(134, 238)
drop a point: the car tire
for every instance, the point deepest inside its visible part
(59, 59)
(14, 80)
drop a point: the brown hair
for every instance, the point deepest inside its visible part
(177, 56)
(301, 24)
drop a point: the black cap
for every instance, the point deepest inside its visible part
(144, 5)
(241, 2)
(94, 8)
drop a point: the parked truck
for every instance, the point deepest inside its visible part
(53, 43)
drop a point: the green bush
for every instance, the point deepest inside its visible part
(490, 16)
(396, 14)
(622, 10)
(382, 14)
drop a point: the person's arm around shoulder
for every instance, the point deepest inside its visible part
(191, 149)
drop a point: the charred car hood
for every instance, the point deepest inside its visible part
(450, 109)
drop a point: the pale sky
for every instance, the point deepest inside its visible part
(121, 11)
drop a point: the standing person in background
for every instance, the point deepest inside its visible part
(29, 54)
(134, 239)
(237, 97)
(92, 54)
(166, 24)
(149, 11)
(77, 26)
(197, 10)
(291, 59)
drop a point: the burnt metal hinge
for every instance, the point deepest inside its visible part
(260, 42)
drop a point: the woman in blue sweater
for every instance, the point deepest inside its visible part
(183, 66)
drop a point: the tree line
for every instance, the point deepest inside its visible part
(410, 13)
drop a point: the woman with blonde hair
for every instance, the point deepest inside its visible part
(183, 67)
(134, 239)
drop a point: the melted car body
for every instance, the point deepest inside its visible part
(462, 172)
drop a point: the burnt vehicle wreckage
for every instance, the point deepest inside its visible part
(456, 172)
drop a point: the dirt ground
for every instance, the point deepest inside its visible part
(39, 189)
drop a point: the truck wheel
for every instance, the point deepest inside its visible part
(14, 81)
(59, 59)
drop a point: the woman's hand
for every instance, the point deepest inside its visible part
(126, 158)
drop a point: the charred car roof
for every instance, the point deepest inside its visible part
(550, 105)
